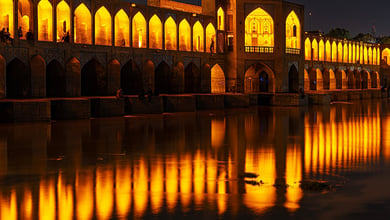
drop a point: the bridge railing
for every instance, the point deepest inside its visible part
(259, 49)
(293, 50)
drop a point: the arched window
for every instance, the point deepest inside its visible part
(378, 56)
(103, 27)
(353, 53)
(139, 31)
(293, 31)
(314, 46)
(45, 21)
(210, 36)
(365, 55)
(63, 20)
(122, 29)
(221, 19)
(358, 54)
(334, 52)
(340, 52)
(263, 34)
(345, 53)
(307, 49)
(7, 16)
(24, 16)
(170, 34)
(198, 41)
(155, 32)
(374, 57)
(328, 51)
(321, 50)
(349, 53)
(82, 25)
(369, 60)
(185, 36)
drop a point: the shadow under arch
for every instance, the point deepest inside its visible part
(192, 79)
(162, 78)
(358, 79)
(18, 80)
(350, 79)
(259, 78)
(293, 79)
(93, 79)
(2, 76)
(55, 80)
(365, 79)
(131, 78)
(73, 75)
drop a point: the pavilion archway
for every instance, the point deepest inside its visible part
(259, 78)
(103, 27)
(45, 21)
(93, 79)
(18, 80)
(7, 16)
(25, 18)
(217, 79)
(55, 80)
(82, 25)
(131, 78)
(192, 79)
(293, 79)
(63, 20)
(122, 30)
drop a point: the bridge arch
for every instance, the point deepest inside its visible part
(293, 79)
(155, 32)
(326, 78)
(93, 79)
(259, 78)
(341, 79)
(122, 30)
(198, 39)
(73, 75)
(259, 29)
(210, 36)
(2, 77)
(358, 79)
(38, 76)
(307, 49)
(131, 78)
(177, 78)
(332, 80)
(316, 79)
(148, 74)
(293, 31)
(163, 76)
(55, 80)
(192, 79)
(386, 56)
(103, 27)
(63, 20)
(7, 16)
(82, 25)
(205, 78)
(306, 83)
(45, 21)
(170, 34)
(18, 79)
(185, 36)
(365, 80)
(139, 30)
(25, 15)
(217, 79)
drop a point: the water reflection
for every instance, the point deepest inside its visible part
(175, 165)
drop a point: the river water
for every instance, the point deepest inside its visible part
(191, 165)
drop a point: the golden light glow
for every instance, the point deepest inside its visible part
(199, 177)
(24, 16)
(217, 132)
(122, 30)
(221, 19)
(65, 199)
(374, 57)
(217, 79)
(157, 184)
(185, 180)
(358, 53)
(293, 31)
(321, 50)
(378, 57)
(198, 40)
(104, 192)
(155, 33)
(365, 55)
(45, 21)
(123, 189)
(345, 53)
(9, 207)
(47, 200)
(82, 25)
(334, 52)
(354, 53)
(170, 34)
(386, 56)
(139, 31)
(293, 176)
(361, 55)
(328, 53)
(314, 46)
(259, 29)
(171, 183)
(369, 60)
(332, 80)
(7, 16)
(185, 36)
(103, 27)
(63, 20)
(84, 195)
(349, 53)
(26, 204)
(210, 36)
(307, 49)
(340, 52)
(140, 187)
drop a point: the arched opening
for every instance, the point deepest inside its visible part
(198, 40)
(45, 21)
(192, 79)
(176, 83)
(103, 27)
(155, 33)
(365, 53)
(93, 79)
(353, 53)
(340, 52)
(73, 75)
(314, 46)
(378, 55)
(293, 79)
(306, 82)
(131, 79)
(55, 80)
(358, 54)
(334, 52)
(341, 79)
(365, 79)
(326, 79)
(259, 29)
(82, 25)
(345, 53)
(162, 78)
(170, 34)
(258, 78)
(210, 36)
(369, 61)
(18, 80)
(139, 31)
(185, 36)
(386, 56)
(374, 57)
(374, 82)
(7, 16)
(358, 79)
(328, 50)
(148, 74)
(316, 81)
(221, 19)
(25, 16)
(349, 53)
(350, 79)
(217, 80)
(38, 76)
(63, 20)
(293, 31)
(332, 80)
(307, 49)
(321, 50)
(122, 30)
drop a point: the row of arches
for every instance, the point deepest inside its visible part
(347, 52)
(120, 30)
(93, 79)
(327, 79)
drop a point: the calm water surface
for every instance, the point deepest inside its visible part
(190, 165)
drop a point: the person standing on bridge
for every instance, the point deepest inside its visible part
(212, 46)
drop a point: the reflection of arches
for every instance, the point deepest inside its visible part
(18, 80)
(63, 19)
(358, 80)
(73, 75)
(162, 78)
(122, 30)
(82, 25)
(103, 27)
(93, 79)
(191, 78)
(155, 32)
(2, 76)
(259, 78)
(185, 36)
(45, 21)
(131, 78)
(25, 16)
(139, 30)
(170, 34)
(217, 80)
(55, 80)
(293, 79)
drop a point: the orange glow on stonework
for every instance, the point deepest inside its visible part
(170, 34)
(259, 29)
(139, 31)
(102, 27)
(198, 33)
(24, 15)
(155, 32)
(184, 36)
(82, 25)
(63, 20)
(7, 16)
(210, 36)
(122, 30)
(293, 31)
(45, 21)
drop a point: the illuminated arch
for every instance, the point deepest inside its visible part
(328, 51)
(45, 21)
(7, 15)
(365, 55)
(293, 31)
(198, 41)
(345, 53)
(353, 53)
(321, 50)
(24, 16)
(361, 55)
(82, 25)
(378, 56)
(314, 46)
(369, 60)
(170, 34)
(63, 19)
(332, 80)
(210, 35)
(102, 27)
(122, 30)
(334, 52)
(374, 59)
(155, 33)
(349, 53)
(259, 29)
(386, 56)
(357, 54)
(259, 78)
(340, 52)
(139, 31)
(221, 19)
(217, 79)
(307, 49)
(185, 36)
(306, 83)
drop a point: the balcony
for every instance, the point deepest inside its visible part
(293, 50)
(259, 49)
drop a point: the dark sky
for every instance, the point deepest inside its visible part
(357, 16)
